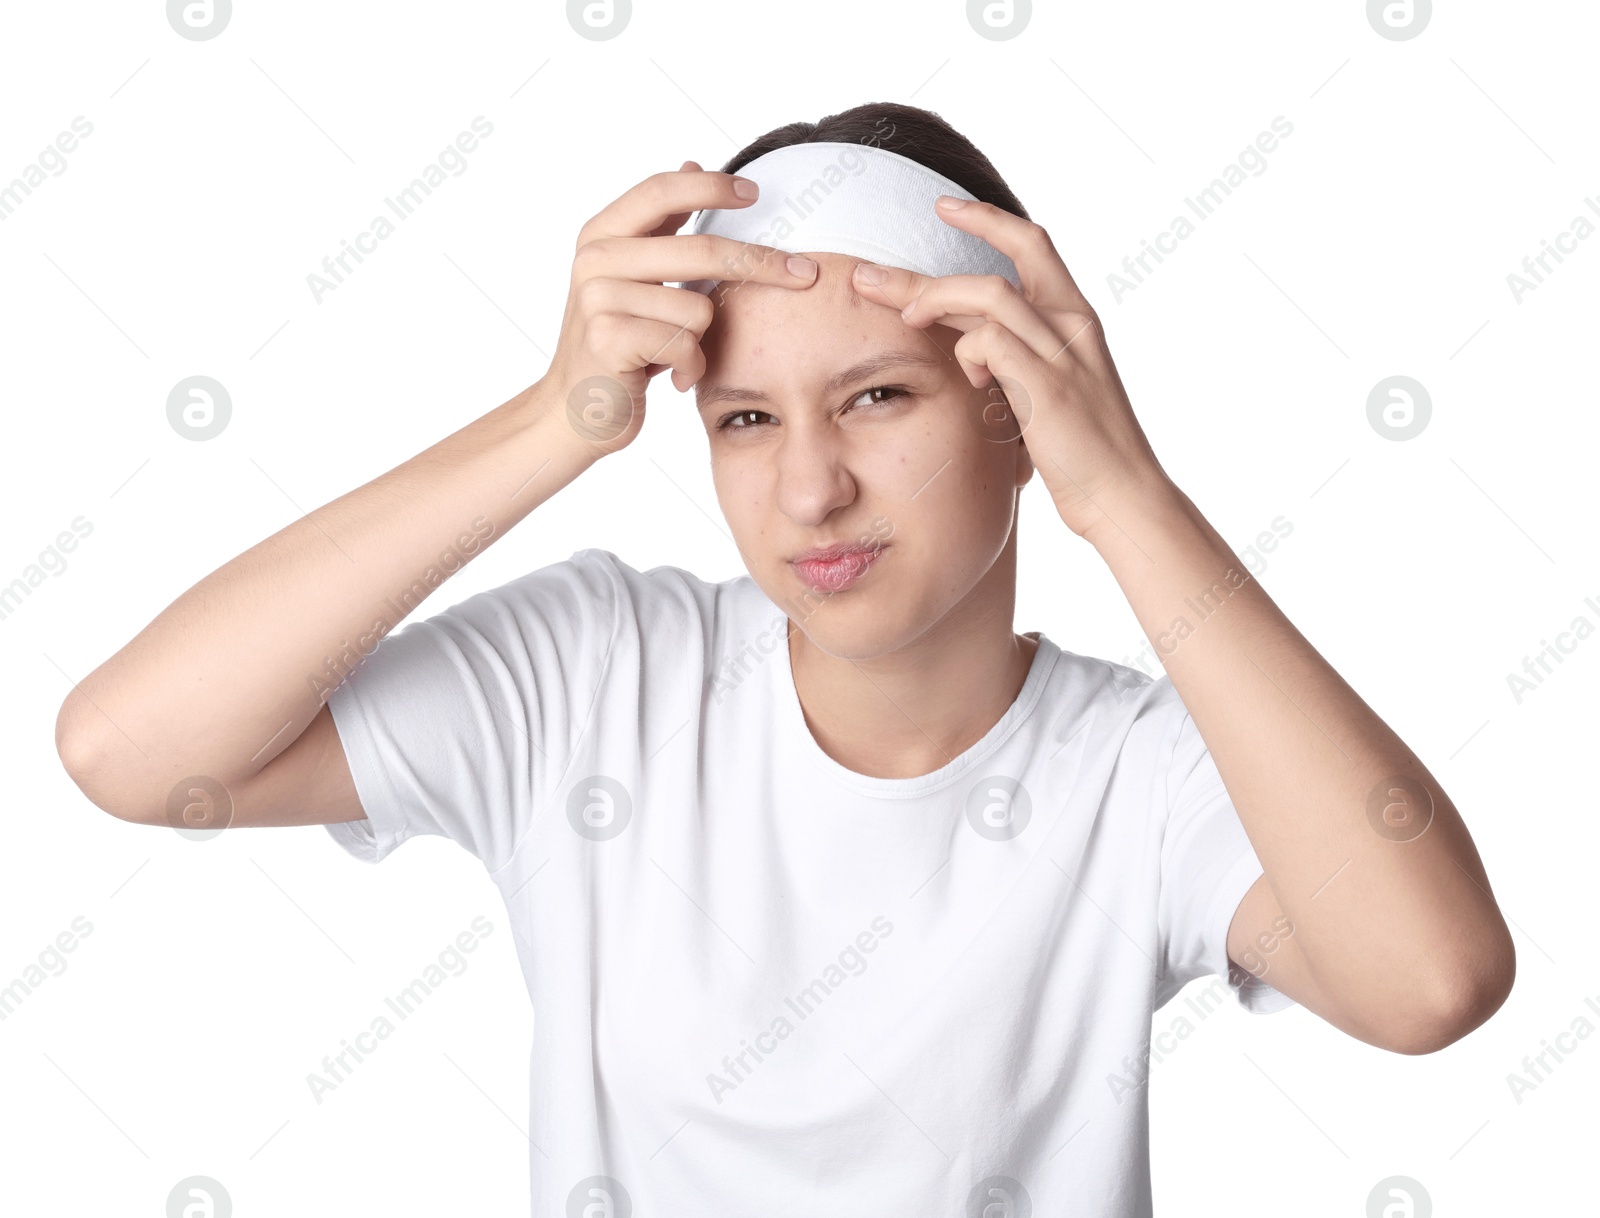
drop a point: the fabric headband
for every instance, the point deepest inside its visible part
(854, 199)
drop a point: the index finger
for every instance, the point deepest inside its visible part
(697, 261)
(662, 202)
(658, 207)
(676, 220)
(1046, 282)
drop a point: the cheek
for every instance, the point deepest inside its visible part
(744, 492)
(954, 440)
(966, 505)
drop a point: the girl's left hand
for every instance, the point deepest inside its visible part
(1044, 348)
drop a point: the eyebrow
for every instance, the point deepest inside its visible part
(856, 373)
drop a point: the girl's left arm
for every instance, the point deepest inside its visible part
(1374, 911)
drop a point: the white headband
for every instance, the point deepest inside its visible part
(855, 199)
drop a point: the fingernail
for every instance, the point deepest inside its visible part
(745, 188)
(950, 202)
(803, 267)
(869, 273)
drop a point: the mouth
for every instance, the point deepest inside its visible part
(837, 569)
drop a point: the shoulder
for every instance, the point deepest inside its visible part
(1132, 721)
(599, 580)
(664, 588)
(1119, 691)
(661, 618)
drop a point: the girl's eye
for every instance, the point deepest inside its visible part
(898, 392)
(729, 423)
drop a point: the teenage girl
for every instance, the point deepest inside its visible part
(834, 893)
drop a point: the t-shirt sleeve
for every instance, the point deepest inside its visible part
(1207, 865)
(460, 724)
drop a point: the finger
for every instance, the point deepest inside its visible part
(655, 343)
(965, 302)
(685, 310)
(896, 286)
(645, 207)
(962, 302)
(995, 352)
(1046, 282)
(685, 257)
(678, 218)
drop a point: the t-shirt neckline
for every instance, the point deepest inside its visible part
(793, 721)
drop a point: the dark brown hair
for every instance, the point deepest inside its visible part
(919, 134)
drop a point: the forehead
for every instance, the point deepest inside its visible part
(832, 298)
(761, 332)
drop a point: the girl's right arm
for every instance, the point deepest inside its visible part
(226, 681)
(230, 682)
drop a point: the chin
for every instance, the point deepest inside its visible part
(842, 642)
(849, 626)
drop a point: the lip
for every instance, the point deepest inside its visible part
(835, 568)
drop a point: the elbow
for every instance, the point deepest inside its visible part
(85, 758)
(1473, 991)
(75, 750)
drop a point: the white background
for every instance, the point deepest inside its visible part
(219, 174)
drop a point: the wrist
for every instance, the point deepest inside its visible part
(542, 410)
(1137, 507)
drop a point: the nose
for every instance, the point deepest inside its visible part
(814, 477)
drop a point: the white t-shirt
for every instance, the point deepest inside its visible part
(764, 983)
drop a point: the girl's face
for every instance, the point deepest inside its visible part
(833, 422)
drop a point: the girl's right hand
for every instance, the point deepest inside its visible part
(623, 324)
